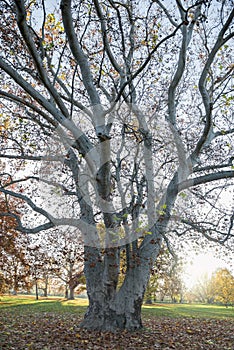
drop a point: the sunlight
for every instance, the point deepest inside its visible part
(200, 265)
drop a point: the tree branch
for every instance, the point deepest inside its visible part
(206, 179)
(202, 85)
(77, 51)
(146, 62)
(105, 38)
(27, 35)
(204, 230)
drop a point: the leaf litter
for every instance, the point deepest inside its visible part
(52, 331)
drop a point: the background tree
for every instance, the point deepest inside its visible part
(165, 279)
(42, 263)
(14, 268)
(204, 291)
(223, 285)
(128, 108)
(68, 255)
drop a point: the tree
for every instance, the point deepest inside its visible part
(68, 255)
(14, 268)
(203, 290)
(223, 286)
(42, 265)
(128, 109)
(165, 279)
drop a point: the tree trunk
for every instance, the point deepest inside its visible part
(66, 292)
(36, 287)
(110, 308)
(45, 289)
(73, 283)
(15, 285)
(120, 311)
(71, 293)
(107, 317)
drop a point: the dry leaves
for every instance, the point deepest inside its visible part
(51, 331)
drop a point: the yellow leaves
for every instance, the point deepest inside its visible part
(223, 284)
(29, 10)
(51, 23)
(28, 16)
(189, 331)
(62, 76)
(53, 30)
(4, 123)
(143, 42)
(59, 26)
(50, 18)
(80, 336)
(191, 15)
(7, 123)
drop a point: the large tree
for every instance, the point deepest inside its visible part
(126, 110)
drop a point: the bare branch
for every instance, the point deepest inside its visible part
(105, 38)
(25, 31)
(222, 175)
(204, 230)
(166, 12)
(202, 84)
(77, 51)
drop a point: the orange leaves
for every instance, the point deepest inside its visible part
(5, 125)
(56, 330)
(52, 32)
(8, 207)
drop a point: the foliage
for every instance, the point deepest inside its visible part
(203, 291)
(217, 288)
(223, 285)
(165, 279)
(69, 257)
(14, 268)
(58, 256)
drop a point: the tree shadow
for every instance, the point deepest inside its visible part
(44, 306)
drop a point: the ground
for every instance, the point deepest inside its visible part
(52, 326)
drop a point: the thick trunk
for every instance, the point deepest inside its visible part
(111, 309)
(114, 315)
(123, 309)
(73, 283)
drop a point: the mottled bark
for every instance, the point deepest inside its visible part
(121, 311)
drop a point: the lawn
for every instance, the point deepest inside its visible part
(189, 310)
(53, 324)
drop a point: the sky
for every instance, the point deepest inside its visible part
(204, 263)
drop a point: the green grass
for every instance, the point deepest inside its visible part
(188, 310)
(28, 304)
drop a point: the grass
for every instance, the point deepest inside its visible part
(53, 323)
(28, 304)
(188, 310)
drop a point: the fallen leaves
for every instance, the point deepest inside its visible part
(54, 331)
